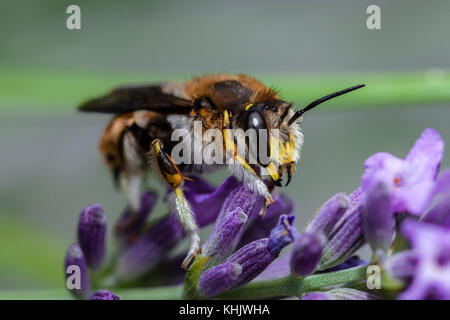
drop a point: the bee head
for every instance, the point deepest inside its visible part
(280, 123)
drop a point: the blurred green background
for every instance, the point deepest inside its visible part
(49, 165)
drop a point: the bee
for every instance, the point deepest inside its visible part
(138, 138)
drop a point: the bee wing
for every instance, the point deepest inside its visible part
(128, 99)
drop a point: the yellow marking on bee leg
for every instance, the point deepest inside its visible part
(177, 200)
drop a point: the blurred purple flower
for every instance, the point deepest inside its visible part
(440, 213)
(149, 250)
(443, 183)
(92, 234)
(104, 295)
(127, 231)
(76, 272)
(411, 182)
(431, 255)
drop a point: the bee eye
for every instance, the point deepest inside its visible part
(255, 121)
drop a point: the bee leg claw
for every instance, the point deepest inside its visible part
(194, 250)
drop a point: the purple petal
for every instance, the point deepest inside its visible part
(92, 234)
(104, 295)
(282, 234)
(378, 218)
(261, 227)
(443, 182)
(217, 279)
(306, 253)
(426, 154)
(440, 213)
(206, 201)
(328, 214)
(76, 272)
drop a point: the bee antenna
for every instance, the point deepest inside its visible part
(322, 100)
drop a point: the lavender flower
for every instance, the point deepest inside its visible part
(328, 214)
(92, 234)
(104, 295)
(346, 236)
(225, 235)
(76, 272)
(378, 220)
(252, 258)
(411, 182)
(216, 279)
(306, 253)
(431, 254)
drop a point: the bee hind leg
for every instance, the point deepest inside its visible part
(174, 178)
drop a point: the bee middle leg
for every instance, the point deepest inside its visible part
(177, 200)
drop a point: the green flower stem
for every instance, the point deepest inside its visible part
(291, 286)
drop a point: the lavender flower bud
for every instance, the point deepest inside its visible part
(306, 253)
(104, 295)
(241, 197)
(378, 218)
(92, 234)
(216, 279)
(142, 256)
(344, 240)
(224, 237)
(257, 255)
(76, 272)
(340, 294)
(329, 214)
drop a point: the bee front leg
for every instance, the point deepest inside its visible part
(174, 178)
(244, 171)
